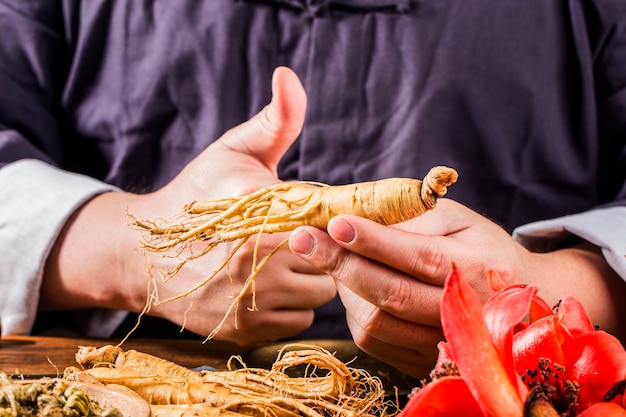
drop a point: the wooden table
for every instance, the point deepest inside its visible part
(36, 356)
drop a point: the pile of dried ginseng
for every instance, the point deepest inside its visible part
(328, 386)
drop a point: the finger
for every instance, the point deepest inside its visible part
(422, 256)
(248, 327)
(268, 134)
(387, 328)
(284, 257)
(261, 325)
(417, 360)
(293, 291)
(447, 219)
(392, 291)
(406, 345)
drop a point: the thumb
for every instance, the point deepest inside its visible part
(268, 134)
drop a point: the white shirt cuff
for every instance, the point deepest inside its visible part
(36, 199)
(604, 227)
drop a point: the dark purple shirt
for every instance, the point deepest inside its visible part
(526, 99)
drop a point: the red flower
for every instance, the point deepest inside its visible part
(516, 354)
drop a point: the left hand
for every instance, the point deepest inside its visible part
(390, 278)
(95, 262)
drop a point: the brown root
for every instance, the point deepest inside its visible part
(328, 387)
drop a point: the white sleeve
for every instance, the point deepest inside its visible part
(35, 202)
(604, 227)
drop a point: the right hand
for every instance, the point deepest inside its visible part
(96, 261)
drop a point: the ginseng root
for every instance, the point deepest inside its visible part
(328, 387)
(202, 225)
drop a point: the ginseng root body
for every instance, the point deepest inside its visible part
(285, 206)
(328, 386)
(202, 225)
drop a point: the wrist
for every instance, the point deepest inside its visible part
(94, 262)
(581, 271)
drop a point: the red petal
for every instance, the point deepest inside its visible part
(448, 396)
(604, 410)
(474, 352)
(503, 312)
(539, 309)
(495, 281)
(596, 360)
(574, 316)
(445, 355)
(542, 339)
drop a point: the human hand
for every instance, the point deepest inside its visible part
(110, 271)
(391, 278)
(243, 160)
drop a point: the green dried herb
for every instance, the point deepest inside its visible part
(48, 398)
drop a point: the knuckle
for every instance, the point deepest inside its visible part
(399, 297)
(363, 339)
(374, 323)
(268, 122)
(431, 261)
(327, 293)
(336, 263)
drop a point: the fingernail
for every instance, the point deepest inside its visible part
(341, 230)
(303, 243)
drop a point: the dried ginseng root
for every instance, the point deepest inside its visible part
(328, 386)
(203, 225)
